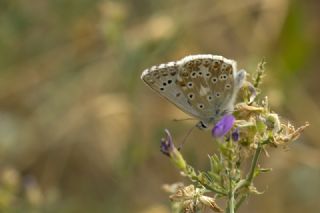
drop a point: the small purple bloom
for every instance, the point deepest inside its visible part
(167, 146)
(235, 135)
(223, 126)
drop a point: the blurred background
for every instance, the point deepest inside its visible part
(79, 130)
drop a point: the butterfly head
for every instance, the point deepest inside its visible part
(202, 125)
(205, 123)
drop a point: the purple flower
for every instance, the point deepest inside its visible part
(235, 135)
(223, 126)
(167, 145)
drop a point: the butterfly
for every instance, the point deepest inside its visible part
(203, 86)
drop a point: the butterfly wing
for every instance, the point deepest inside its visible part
(204, 86)
(163, 79)
(210, 84)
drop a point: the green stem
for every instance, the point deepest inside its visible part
(254, 164)
(231, 203)
(249, 179)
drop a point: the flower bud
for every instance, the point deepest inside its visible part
(167, 147)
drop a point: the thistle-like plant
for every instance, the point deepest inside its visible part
(252, 128)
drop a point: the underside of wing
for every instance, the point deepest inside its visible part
(208, 83)
(163, 79)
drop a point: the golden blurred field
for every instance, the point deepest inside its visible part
(79, 130)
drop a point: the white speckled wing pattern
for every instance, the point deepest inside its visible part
(163, 79)
(204, 86)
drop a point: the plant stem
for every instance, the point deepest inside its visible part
(250, 176)
(254, 164)
(231, 201)
(231, 206)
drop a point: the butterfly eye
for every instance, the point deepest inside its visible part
(200, 73)
(202, 125)
(214, 80)
(228, 86)
(169, 81)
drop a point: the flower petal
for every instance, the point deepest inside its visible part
(167, 145)
(223, 126)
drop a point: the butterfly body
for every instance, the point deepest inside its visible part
(203, 86)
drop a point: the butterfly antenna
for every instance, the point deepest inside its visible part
(185, 138)
(184, 119)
